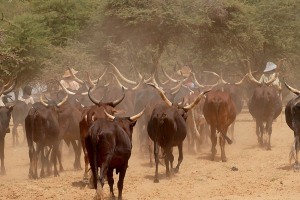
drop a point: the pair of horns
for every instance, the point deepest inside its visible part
(133, 118)
(58, 105)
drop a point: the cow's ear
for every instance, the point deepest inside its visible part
(132, 124)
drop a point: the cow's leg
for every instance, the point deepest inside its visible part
(31, 154)
(169, 158)
(156, 151)
(297, 147)
(231, 131)
(103, 174)
(24, 134)
(180, 157)
(213, 137)
(43, 161)
(55, 152)
(15, 134)
(83, 132)
(39, 149)
(121, 180)
(3, 172)
(222, 146)
(150, 149)
(259, 132)
(61, 168)
(75, 148)
(110, 181)
(269, 132)
(79, 154)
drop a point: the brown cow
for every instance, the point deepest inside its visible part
(219, 112)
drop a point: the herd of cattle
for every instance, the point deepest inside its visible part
(167, 112)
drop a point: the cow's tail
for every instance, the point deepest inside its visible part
(294, 149)
(217, 109)
(94, 138)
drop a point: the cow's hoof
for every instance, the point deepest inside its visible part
(56, 174)
(42, 175)
(224, 160)
(156, 180)
(269, 148)
(61, 168)
(176, 170)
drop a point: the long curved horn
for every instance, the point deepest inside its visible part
(1, 90)
(140, 83)
(63, 101)
(251, 78)
(8, 90)
(211, 72)
(118, 82)
(101, 77)
(222, 80)
(7, 84)
(42, 101)
(241, 81)
(116, 102)
(75, 77)
(197, 100)
(137, 116)
(295, 91)
(169, 77)
(65, 89)
(178, 86)
(161, 93)
(149, 79)
(94, 100)
(111, 117)
(196, 81)
(121, 76)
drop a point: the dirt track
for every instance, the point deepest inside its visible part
(261, 174)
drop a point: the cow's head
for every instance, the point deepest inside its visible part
(180, 107)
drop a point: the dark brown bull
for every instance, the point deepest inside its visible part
(109, 145)
(219, 112)
(292, 117)
(265, 106)
(167, 128)
(42, 127)
(91, 114)
(5, 115)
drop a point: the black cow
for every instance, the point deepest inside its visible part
(167, 128)
(292, 117)
(5, 115)
(42, 127)
(265, 106)
(109, 144)
(91, 114)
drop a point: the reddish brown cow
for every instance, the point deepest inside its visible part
(219, 112)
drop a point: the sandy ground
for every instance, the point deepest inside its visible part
(261, 174)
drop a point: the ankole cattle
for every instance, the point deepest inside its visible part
(219, 112)
(5, 116)
(292, 117)
(89, 115)
(109, 143)
(265, 106)
(43, 128)
(167, 128)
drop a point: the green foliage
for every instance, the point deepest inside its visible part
(45, 36)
